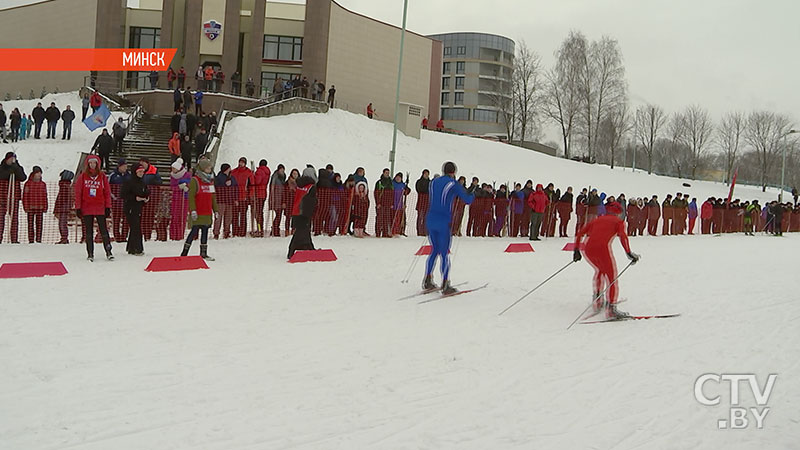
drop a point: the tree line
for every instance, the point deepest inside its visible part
(585, 95)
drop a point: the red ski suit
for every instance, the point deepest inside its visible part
(600, 232)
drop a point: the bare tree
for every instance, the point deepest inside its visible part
(563, 86)
(730, 139)
(699, 129)
(766, 132)
(649, 121)
(527, 92)
(603, 87)
(502, 98)
(676, 130)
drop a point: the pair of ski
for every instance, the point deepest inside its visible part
(586, 320)
(441, 296)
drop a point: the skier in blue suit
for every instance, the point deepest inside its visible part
(443, 191)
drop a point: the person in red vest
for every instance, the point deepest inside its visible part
(244, 178)
(202, 208)
(600, 232)
(181, 77)
(303, 206)
(93, 203)
(538, 202)
(440, 125)
(370, 111)
(424, 123)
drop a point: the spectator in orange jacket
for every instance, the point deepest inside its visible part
(706, 215)
(174, 146)
(538, 202)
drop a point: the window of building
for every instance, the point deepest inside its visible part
(459, 82)
(484, 115)
(448, 51)
(142, 37)
(446, 67)
(460, 66)
(445, 82)
(462, 50)
(137, 80)
(445, 98)
(459, 98)
(283, 48)
(455, 113)
(268, 81)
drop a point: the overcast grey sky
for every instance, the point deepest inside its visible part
(722, 54)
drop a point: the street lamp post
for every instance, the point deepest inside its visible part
(397, 94)
(783, 167)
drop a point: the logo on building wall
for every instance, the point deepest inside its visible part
(212, 29)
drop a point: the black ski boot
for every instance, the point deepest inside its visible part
(598, 303)
(428, 284)
(612, 313)
(186, 248)
(204, 253)
(447, 289)
(90, 258)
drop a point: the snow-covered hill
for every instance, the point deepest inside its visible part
(348, 140)
(53, 155)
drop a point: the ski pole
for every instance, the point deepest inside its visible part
(537, 287)
(414, 262)
(600, 294)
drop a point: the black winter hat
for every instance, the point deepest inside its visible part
(66, 175)
(262, 163)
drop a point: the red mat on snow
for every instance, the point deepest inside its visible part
(519, 248)
(32, 270)
(313, 256)
(175, 263)
(425, 250)
(570, 247)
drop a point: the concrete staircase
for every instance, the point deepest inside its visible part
(149, 138)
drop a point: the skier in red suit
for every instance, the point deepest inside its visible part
(600, 233)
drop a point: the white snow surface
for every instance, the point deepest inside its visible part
(349, 140)
(256, 353)
(53, 155)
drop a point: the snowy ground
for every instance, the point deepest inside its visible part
(256, 353)
(349, 140)
(54, 155)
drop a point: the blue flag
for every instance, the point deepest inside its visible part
(98, 119)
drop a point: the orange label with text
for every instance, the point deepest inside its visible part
(83, 59)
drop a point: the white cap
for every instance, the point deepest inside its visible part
(178, 164)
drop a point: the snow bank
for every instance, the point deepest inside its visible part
(256, 353)
(53, 155)
(348, 140)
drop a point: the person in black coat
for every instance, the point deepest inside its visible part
(67, 116)
(103, 146)
(38, 114)
(52, 114)
(175, 121)
(11, 177)
(200, 143)
(3, 120)
(177, 99)
(186, 151)
(135, 194)
(191, 123)
(301, 239)
(423, 202)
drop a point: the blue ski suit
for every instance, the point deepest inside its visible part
(443, 191)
